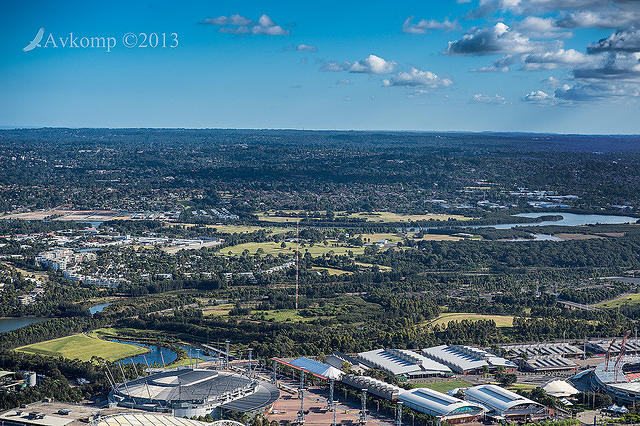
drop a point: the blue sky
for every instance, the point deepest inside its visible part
(567, 66)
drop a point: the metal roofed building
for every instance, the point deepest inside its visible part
(541, 364)
(136, 419)
(189, 392)
(542, 349)
(601, 346)
(403, 362)
(467, 359)
(444, 407)
(503, 404)
(374, 386)
(311, 366)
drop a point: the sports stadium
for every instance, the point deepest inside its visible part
(191, 392)
(621, 380)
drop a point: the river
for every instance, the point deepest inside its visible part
(568, 219)
(9, 324)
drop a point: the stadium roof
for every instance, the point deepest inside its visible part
(265, 395)
(317, 368)
(438, 404)
(560, 389)
(497, 399)
(183, 385)
(401, 361)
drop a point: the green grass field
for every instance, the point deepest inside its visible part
(500, 320)
(83, 347)
(443, 387)
(330, 271)
(632, 299)
(387, 217)
(275, 249)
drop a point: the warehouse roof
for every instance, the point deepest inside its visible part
(550, 363)
(536, 349)
(400, 361)
(465, 358)
(438, 404)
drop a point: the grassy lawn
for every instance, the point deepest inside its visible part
(500, 320)
(632, 299)
(282, 315)
(275, 249)
(443, 387)
(83, 347)
(330, 271)
(371, 265)
(383, 217)
(218, 310)
(519, 386)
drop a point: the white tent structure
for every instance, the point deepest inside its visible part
(560, 389)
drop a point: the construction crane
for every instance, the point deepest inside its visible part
(622, 351)
(608, 355)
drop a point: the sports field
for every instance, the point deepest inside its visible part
(443, 387)
(500, 320)
(83, 347)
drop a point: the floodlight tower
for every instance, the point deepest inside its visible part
(399, 420)
(297, 261)
(363, 411)
(226, 354)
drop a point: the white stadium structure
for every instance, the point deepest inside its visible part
(621, 380)
(190, 392)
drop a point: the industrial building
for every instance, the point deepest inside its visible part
(562, 349)
(402, 362)
(442, 406)
(502, 404)
(613, 346)
(545, 364)
(467, 359)
(373, 386)
(189, 392)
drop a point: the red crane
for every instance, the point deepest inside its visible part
(608, 355)
(622, 351)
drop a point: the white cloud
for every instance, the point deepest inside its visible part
(497, 39)
(306, 48)
(539, 97)
(537, 27)
(423, 26)
(238, 24)
(417, 78)
(372, 64)
(486, 99)
(560, 58)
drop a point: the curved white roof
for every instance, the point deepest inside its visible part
(438, 404)
(496, 398)
(560, 389)
(139, 419)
